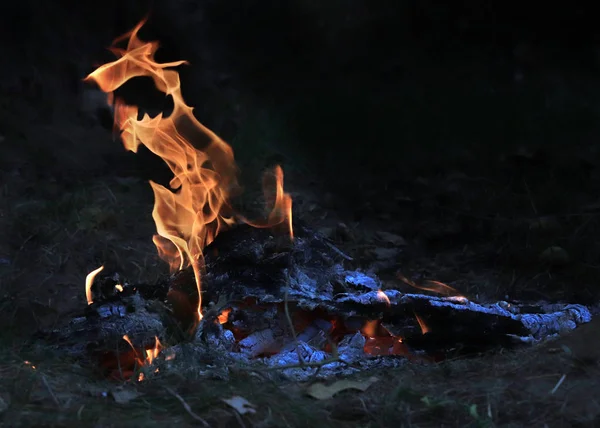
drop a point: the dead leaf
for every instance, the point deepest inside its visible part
(240, 404)
(125, 395)
(321, 391)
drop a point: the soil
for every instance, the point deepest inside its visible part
(446, 169)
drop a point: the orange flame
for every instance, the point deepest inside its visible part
(190, 214)
(151, 354)
(224, 316)
(89, 280)
(281, 203)
(433, 286)
(424, 327)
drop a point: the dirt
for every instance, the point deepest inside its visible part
(426, 175)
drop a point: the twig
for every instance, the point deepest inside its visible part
(338, 251)
(304, 365)
(288, 317)
(558, 384)
(187, 407)
(54, 398)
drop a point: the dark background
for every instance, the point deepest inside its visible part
(458, 126)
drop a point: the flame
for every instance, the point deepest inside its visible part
(89, 280)
(151, 354)
(370, 328)
(194, 209)
(383, 297)
(119, 288)
(224, 316)
(424, 327)
(433, 286)
(280, 203)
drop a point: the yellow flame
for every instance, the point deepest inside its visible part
(195, 208)
(89, 280)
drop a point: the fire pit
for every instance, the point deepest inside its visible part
(265, 295)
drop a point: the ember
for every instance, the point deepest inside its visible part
(304, 308)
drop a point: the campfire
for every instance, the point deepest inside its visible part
(266, 293)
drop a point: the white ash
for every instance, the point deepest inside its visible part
(258, 343)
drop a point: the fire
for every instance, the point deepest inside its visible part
(224, 316)
(424, 327)
(280, 203)
(150, 354)
(383, 297)
(119, 288)
(195, 208)
(433, 286)
(89, 280)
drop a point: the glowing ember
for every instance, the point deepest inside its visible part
(433, 286)
(89, 280)
(28, 363)
(190, 214)
(224, 316)
(383, 297)
(119, 288)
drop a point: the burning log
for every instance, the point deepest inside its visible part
(249, 275)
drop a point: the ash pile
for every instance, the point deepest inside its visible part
(289, 308)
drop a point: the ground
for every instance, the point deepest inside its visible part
(491, 181)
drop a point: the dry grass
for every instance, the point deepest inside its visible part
(492, 390)
(64, 210)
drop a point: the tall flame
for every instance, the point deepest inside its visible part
(195, 208)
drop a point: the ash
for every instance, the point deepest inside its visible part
(255, 275)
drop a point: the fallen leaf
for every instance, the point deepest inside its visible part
(124, 395)
(321, 391)
(240, 404)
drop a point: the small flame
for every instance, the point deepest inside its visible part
(424, 327)
(383, 297)
(119, 288)
(89, 280)
(224, 316)
(279, 201)
(151, 354)
(433, 286)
